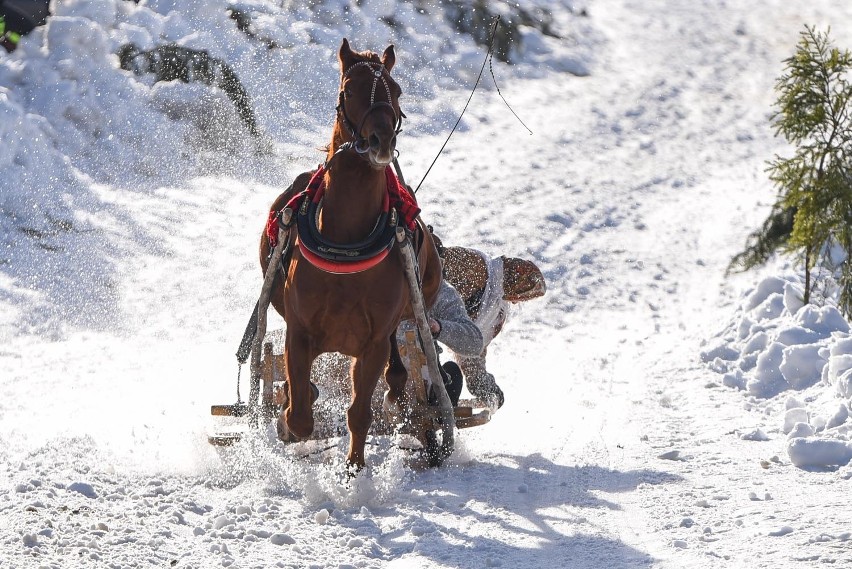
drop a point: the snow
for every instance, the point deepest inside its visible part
(658, 413)
(774, 347)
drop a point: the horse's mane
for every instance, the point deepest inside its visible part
(369, 56)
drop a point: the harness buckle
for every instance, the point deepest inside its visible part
(285, 218)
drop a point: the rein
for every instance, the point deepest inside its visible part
(489, 60)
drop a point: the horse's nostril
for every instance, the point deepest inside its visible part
(374, 142)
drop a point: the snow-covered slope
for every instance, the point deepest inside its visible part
(129, 217)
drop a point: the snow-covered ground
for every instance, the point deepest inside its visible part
(657, 414)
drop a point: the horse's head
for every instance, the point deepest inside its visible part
(368, 104)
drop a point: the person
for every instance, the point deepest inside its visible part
(488, 286)
(472, 306)
(451, 326)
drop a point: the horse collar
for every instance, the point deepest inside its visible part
(336, 257)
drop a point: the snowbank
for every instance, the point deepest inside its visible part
(776, 347)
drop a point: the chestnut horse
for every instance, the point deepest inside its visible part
(353, 313)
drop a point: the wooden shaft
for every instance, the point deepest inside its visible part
(262, 306)
(419, 308)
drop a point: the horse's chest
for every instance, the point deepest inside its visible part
(376, 293)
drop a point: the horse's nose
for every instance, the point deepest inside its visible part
(376, 143)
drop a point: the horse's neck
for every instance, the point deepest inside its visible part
(353, 199)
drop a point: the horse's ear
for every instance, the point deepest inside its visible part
(345, 55)
(389, 58)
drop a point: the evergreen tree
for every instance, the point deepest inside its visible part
(813, 211)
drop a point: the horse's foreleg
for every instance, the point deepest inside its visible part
(365, 375)
(298, 416)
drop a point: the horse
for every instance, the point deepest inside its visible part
(355, 308)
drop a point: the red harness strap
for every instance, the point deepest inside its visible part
(402, 200)
(338, 268)
(397, 195)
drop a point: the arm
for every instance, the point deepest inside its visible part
(457, 330)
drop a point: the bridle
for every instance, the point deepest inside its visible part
(361, 144)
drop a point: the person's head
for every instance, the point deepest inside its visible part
(522, 280)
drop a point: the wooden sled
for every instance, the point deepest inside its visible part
(234, 421)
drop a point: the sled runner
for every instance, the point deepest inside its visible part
(233, 421)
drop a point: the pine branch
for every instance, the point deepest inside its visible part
(814, 205)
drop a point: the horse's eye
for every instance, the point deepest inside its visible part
(347, 92)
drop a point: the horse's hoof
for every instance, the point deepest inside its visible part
(302, 429)
(431, 449)
(353, 469)
(284, 434)
(434, 453)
